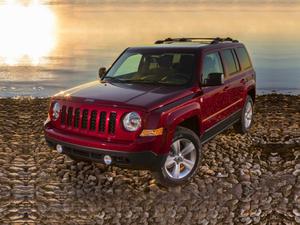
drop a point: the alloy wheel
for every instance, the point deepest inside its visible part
(181, 159)
(248, 115)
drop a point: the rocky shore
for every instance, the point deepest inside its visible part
(244, 179)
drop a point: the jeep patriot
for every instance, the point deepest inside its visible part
(155, 106)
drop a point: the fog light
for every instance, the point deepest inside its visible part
(107, 159)
(59, 148)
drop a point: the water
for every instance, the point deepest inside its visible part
(82, 37)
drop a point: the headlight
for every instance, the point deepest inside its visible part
(55, 111)
(132, 121)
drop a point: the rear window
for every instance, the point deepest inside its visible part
(230, 61)
(243, 58)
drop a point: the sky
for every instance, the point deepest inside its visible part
(160, 1)
(176, 1)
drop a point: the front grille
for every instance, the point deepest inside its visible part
(88, 120)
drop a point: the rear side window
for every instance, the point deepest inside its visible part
(212, 64)
(243, 58)
(230, 62)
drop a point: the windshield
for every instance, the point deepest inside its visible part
(153, 68)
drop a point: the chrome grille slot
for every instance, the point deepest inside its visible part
(93, 120)
(63, 115)
(77, 118)
(112, 123)
(70, 116)
(84, 119)
(102, 121)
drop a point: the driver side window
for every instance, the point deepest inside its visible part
(130, 65)
(212, 64)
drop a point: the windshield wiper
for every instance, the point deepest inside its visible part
(151, 82)
(139, 81)
(143, 81)
(116, 79)
(131, 80)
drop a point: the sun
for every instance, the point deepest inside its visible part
(27, 32)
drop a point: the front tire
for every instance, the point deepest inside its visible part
(183, 159)
(245, 122)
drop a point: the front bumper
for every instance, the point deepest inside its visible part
(135, 160)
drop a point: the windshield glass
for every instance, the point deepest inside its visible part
(153, 68)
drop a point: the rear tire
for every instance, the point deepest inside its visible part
(183, 159)
(246, 120)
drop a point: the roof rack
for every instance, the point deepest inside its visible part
(215, 40)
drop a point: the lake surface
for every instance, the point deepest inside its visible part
(63, 45)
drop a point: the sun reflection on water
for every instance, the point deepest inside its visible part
(27, 32)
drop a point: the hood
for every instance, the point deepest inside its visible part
(145, 96)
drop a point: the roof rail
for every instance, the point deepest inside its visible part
(215, 40)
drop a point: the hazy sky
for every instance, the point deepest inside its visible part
(158, 1)
(175, 1)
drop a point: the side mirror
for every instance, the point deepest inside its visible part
(102, 72)
(214, 79)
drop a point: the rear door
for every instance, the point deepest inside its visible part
(233, 90)
(212, 101)
(248, 74)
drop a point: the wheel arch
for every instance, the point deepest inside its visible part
(187, 116)
(184, 116)
(252, 93)
(192, 123)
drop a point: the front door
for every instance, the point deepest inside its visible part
(213, 99)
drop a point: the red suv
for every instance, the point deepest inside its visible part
(156, 105)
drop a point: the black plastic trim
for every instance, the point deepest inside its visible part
(220, 127)
(135, 160)
(176, 103)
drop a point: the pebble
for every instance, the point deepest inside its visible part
(296, 212)
(296, 173)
